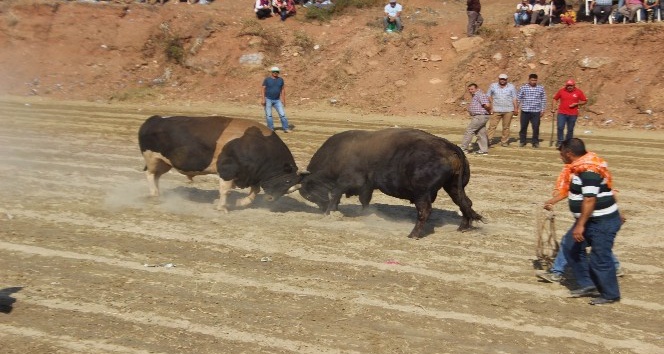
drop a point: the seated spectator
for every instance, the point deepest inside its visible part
(263, 9)
(321, 4)
(284, 8)
(649, 12)
(540, 14)
(559, 7)
(601, 9)
(569, 17)
(393, 15)
(630, 9)
(522, 14)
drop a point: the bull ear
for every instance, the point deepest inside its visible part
(303, 173)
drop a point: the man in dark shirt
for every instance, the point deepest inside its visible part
(274, 95)
(475, 19)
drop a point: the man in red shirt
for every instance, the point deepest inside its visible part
(570, 99)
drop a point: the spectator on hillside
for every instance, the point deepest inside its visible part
(321, 4)
(569, 17)
(648, 14)
(393, 15)
(540, 14)
(532, 101)
(559, 7)
(284, 8)
(601, 9)
(571, 98)
(630, 9)
(522, 13)
(502, 96)
(263, 9)
(475, 20)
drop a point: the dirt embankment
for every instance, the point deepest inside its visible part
(219, 52)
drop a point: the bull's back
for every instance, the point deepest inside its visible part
(191, 144)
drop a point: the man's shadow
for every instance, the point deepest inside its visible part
(6, 301)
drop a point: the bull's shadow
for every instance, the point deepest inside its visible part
(6, 301)
(403, 213)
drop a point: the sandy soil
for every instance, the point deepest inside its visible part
(86, 253)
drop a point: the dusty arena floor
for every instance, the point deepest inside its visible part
(91, 264)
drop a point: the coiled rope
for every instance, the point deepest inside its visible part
(546, 245)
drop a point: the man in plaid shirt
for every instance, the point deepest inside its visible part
(479, 110)
(532, 101)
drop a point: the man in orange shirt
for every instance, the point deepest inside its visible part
(570, 98)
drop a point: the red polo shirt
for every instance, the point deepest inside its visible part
(567, 98)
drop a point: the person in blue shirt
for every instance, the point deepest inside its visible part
(274, 95)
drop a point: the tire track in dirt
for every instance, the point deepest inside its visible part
(231, 334)
(70, 343)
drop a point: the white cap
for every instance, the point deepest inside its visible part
(502, 76)
(274, 68)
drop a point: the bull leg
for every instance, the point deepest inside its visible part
(335, 198)
(250, 198)
(460, 198)
(224, 188)
(365, 196)
(154, 169)
(423, 206)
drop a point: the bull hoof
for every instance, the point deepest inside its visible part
(222, 209)
(415, 236)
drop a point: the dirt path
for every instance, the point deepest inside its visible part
(88, 250)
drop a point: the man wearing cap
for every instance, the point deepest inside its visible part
(393, 14)
(479, 110)
(274, 95)
(570, 99)
(502, 96)
(475, 19)
(532, 101)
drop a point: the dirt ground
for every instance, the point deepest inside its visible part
(91, 264)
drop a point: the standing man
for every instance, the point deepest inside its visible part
(532, 100)
(592, 202)
(392, 14)
(274, 95)
(475, 19)
(479, 109)
(568, 110)
(502, 96)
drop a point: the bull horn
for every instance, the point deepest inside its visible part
(294, 188)
(303, 173)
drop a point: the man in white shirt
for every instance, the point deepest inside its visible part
(393, 14)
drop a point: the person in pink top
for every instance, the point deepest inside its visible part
(570, 98)
(630, 9)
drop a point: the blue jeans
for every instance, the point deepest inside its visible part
(526, 118)
(600, 271)
(565, 120)
(520, 19)
(560, 262)
(280, 110)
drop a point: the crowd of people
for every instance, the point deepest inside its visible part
(503, 101)
(286, 8)
(544, 12)
(584, 181)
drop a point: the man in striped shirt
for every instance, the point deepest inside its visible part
(532, 100)
(592, 202)
(479, 110)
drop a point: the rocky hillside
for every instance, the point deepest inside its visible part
(176, 52)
